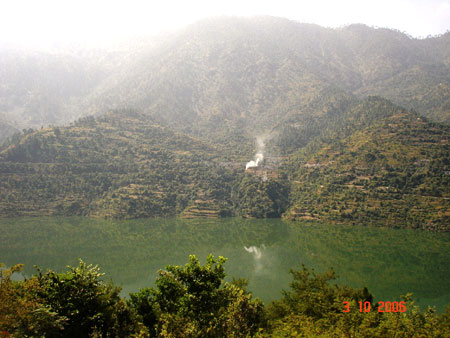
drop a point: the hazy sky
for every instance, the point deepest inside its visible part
(48, 21)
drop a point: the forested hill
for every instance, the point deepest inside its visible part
(393, 170)
(367, 162)
(226, 72)
(171, 125)
(234, 71)
(118, 165)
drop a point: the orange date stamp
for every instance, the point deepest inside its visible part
(382, 306)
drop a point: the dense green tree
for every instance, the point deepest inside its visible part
(90, 306)
(255, 197)
(193, 301)
(23, 312)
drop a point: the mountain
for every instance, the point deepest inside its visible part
(227, 72)
(234, 71)
(339, 115)
(373, 163)
(42, 87)
(39, 88)
(118, 165)
(393, 170)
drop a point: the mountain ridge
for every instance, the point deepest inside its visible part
(227, 67)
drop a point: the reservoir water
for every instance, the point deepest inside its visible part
(389, 262)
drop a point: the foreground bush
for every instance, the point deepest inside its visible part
(23, 313)
(76, 303)
(194, 301)
(315, 308)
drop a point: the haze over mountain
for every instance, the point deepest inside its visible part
(259, 69)
(176, 121)
(223, 69)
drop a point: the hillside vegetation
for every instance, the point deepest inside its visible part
(199, 100)
(232, 71)
(394, 170)
(119, 165)
(367, 162)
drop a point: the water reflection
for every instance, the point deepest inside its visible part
(390, 262)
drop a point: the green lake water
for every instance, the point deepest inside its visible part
(390, 262)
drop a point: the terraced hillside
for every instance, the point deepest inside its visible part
(395, 172)
(120, 165)
(368, 162)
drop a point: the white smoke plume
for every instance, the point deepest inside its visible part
(255, 251)
(257, 255)
(259, 156)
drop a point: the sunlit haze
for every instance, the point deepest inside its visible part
(47, 22)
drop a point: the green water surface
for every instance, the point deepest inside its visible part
(390, 262)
